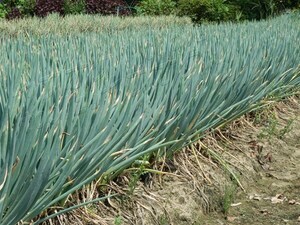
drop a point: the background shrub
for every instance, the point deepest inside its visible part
(207, 10)
(26, 7)
(18, 8)
(222, 10)
(46, 7)
(74, 6)
(107, 7)
(156, 7)
(3, 11)
(199, 10)
(261, 9)
(132, 2)
(12, 9)
(14, 13)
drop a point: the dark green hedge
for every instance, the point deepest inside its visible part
(198, 10)
(12, 9)
(217, 10)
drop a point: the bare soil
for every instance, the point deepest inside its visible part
(272, 193)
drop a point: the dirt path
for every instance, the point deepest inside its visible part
(273, 196)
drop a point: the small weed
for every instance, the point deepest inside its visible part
(163, 220)
(135, 176)
(118, 220)
(228, 197)
(261, 115)
(91, 209)
(273, 129)
(199, 221)
(287, 128)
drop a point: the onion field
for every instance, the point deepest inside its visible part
(77, 107)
